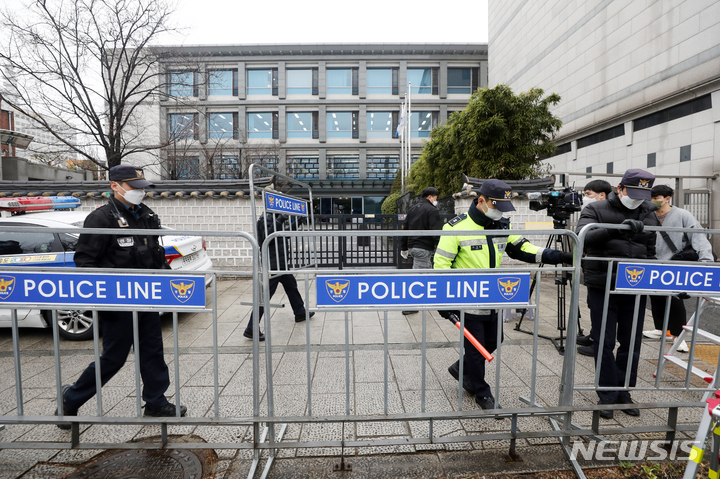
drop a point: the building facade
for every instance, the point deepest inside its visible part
(639, 81)
(323, 114)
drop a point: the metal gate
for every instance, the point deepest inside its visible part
(337, 251)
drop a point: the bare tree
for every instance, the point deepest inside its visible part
(86, 64)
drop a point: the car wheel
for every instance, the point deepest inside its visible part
(75, 325)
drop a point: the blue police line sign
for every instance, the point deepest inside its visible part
(424, 290)
(284, 204)
(668, 277)
(102, 289)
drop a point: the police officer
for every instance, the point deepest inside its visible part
(630, 205)
(482, 252)
(124, 210)
(267, 224)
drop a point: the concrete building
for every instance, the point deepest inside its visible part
(639, 81)
(325, 114)
(45, 148)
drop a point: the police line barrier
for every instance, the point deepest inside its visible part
(23, 287)
(639, 278)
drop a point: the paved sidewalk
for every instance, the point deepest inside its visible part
(327, 331)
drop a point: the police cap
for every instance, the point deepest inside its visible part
(132, 175)
(639, 183)
(499, 193)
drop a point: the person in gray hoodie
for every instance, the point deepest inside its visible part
(674, 217)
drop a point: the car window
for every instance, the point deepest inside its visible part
(22, 243)
(68, 242)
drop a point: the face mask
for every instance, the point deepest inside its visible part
(587, 200)
(630, 203)
(134, 197)
(658, 203)
(492, 213)
(434, 203)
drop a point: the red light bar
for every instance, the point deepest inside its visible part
(38, 203)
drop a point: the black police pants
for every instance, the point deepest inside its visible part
(291, 290)
(619, 325)
(485, 330)
(117, 331)
(678, 315)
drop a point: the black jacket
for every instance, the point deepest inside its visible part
(422, 216)
(276, 249)
(121, 250)
(614, 243)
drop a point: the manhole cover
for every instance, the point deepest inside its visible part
(145, 464)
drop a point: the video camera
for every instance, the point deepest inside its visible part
(560, 204)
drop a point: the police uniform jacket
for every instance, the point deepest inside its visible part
(615, 243)
(422, 216)
(120, 250)
(480, 251)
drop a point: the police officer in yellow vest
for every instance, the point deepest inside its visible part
(482, 252)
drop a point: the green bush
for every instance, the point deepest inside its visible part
(389, 206)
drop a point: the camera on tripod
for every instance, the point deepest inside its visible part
(560, 204)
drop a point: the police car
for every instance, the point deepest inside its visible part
(186, 253)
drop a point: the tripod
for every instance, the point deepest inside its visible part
(562, 243)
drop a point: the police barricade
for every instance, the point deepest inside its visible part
(335, 354)
(95, 289)
(637, 279)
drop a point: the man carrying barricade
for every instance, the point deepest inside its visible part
(628, 205)
(482, 252)
(124, 210)
(678, 246)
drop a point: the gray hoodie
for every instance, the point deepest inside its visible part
(681, 218)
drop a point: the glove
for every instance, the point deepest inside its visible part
(683, 296)
(566, 258)
(636, 226)
(404, 254)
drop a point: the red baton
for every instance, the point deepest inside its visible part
(472, 339)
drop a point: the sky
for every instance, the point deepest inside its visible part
(330, 21)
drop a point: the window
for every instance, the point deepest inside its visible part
(342, 124)
(222, 126)
(302, 82)
(380, 124)
(23, 243)
(226, 167)
(262, 82)
(343, 167)
(303, 167)
(302, 124)
(183, 126)
(601, 136)
(262, 125)
(182, 83)
(382, 81)
(609, 168)
(184, 168)
(342, 81)
(266, 161)
(421, 122)
(685, 153)
(588, 170)
(223, 82)
(382, 167)
(459, 80)
(651, 160)
(421, 80)
(696, 105)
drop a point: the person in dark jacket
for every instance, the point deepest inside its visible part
(267, 224)
(628, 205)
(422, 216)
(124, 210)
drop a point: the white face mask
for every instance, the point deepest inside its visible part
(587, 200)
(134, 197)
(434, 203)
(630, 203)
(492, 213)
